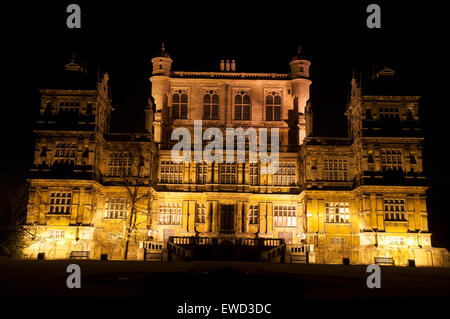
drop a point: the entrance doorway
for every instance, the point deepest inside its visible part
(227, 218)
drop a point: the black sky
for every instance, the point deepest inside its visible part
(121, 37)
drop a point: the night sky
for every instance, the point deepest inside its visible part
(121, 38)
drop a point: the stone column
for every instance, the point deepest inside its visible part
(216, 173)
(209, 173)
(209, 216)
(244, 220)
(423, 213)
(214, 217)
(238, 217)
(263, 217)
(43, 206)
(191, 216)
(185, 215)
(269, 218)
(299, 217)
(75, 207)
(366, 210)
(321, 215)
(380, 212)
(410, 214)
(239, 172)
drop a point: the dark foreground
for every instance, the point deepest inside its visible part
(159, 288)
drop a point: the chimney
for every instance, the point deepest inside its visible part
(227, 65)
(233, 66)
(222, 65)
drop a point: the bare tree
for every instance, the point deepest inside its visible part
(136, 184)
(108, 241)
(13, 212)
(133, 186)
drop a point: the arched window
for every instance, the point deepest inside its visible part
(273, 106)
(242, 106)
(211, 106)
(179, 105)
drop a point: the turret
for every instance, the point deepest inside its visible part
(162, 63)
(299, 66)
(160, 92)
(300, 90)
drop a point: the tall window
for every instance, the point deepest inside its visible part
(273, 106)
(228, 173)
(284, 216)
(242, 106)
(254, 173)
(200, 215)
(335, 169)
(60, 202)
(211, 106)
(69, 107)
(119, 164)
(391, 159)
(65, 153)
(337, 212)
(170, 214)
(171, 173)
(394, 209)
(202, 169)
(285, 174)
(253, 217)
(116, 208)
(179, 104)
(389, 113)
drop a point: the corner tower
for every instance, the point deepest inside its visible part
(162, 64)
(300, 90)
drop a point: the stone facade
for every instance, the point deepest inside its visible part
(121, 195)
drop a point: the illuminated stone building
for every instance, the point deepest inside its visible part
(332, 200)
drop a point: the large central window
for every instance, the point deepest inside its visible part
(60, 202)
(389, 113)
(335, 169)
(391, 159)
(394, 209)
(119, 164)
(65, 153)
(171, 173)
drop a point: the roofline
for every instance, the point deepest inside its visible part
(400, 97)
(232, 75)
